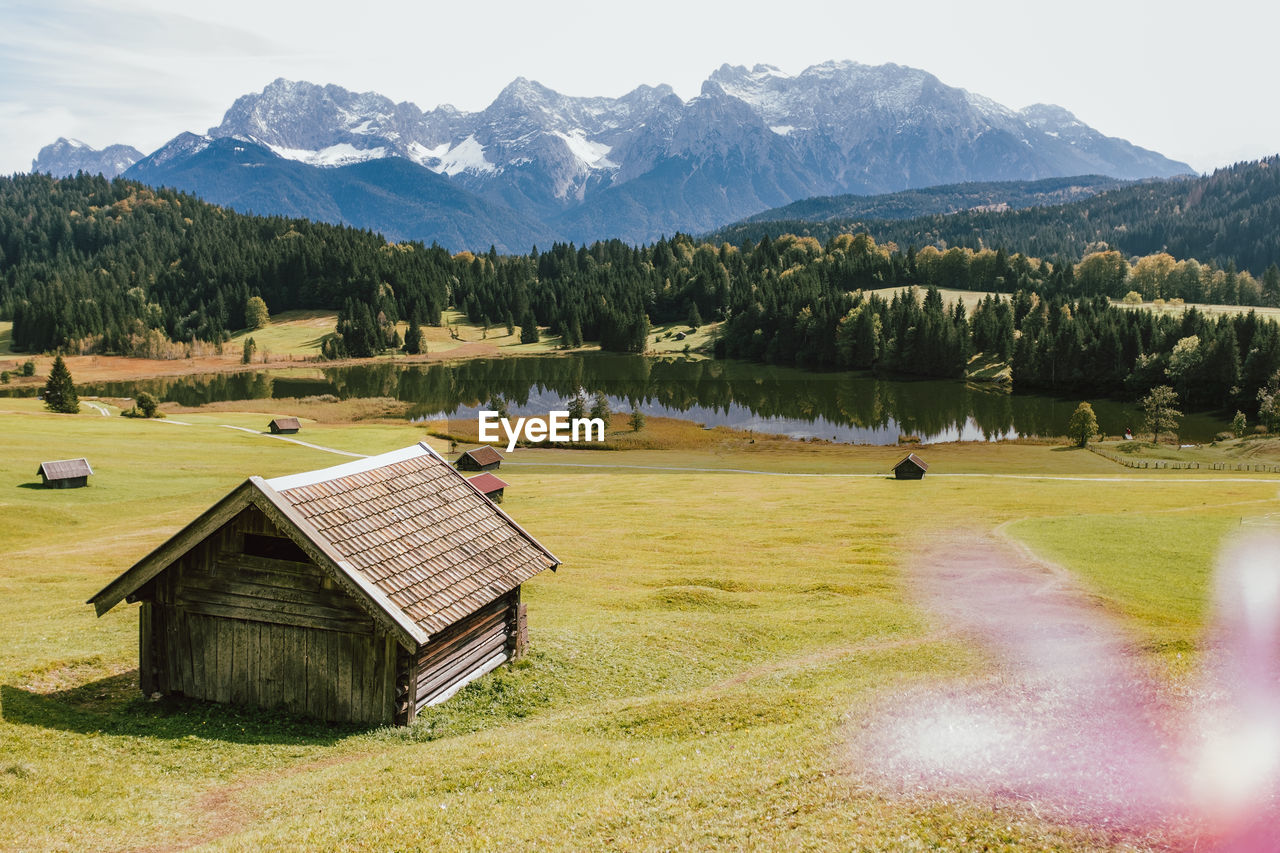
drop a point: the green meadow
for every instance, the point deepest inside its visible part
(696, 663)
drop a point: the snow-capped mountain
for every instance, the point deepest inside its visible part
(649, 163)
(68, 156)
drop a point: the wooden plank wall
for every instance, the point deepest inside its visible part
(463, 646)
(231, 627)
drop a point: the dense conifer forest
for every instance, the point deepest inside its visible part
(88, 265)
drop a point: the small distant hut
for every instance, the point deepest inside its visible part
(483, 458)
(65, 473)
(358, 593)
(489, 486)
(910, 468)
(281, 426)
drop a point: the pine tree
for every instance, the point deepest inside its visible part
(529, 329)
(60, 390)
(637, 420)
(577, 407)
(1271, 286)
(498, 403)
(413, 338)
(600, 408)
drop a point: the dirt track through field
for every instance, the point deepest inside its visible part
(1069, 722)
(1118, 478)
(296, 441)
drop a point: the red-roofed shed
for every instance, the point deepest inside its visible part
(489, 485)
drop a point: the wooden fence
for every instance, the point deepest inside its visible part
(1174, 464)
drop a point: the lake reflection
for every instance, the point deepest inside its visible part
(846, 407)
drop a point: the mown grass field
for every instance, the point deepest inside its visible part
(973, 297)
(696, 662)
(298, 333)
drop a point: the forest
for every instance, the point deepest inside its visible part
(89, 265)
(1231, 216)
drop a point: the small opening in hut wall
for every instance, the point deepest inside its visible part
(274, 547)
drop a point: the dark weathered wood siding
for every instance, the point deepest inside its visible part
(65, 482)
(465, 645)
(232, 627)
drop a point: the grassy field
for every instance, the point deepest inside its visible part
(1202, 307)
(290, 333)
(696, 662)
(1264, 449)
(973, 297)
(949, 295)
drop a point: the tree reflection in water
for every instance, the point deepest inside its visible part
(850, 407)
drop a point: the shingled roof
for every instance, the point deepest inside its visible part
(484, 455)
(487, 483)
(64, 469)
(404, 530)
(914, 460)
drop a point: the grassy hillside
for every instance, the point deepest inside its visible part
(694, 672)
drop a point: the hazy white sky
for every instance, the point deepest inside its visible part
(1194, 81)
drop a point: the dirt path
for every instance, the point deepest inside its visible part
(223, 811)
(1118, 478)
(1068, 722)
(296, 441)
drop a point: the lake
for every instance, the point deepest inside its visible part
(844, 407)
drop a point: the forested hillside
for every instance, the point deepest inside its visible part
(948, 198)
(94, 266)
(89, 264)
(1231, 216)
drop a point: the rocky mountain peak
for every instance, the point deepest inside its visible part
(647, 162)
(67, 156)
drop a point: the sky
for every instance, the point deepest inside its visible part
(1192, 81)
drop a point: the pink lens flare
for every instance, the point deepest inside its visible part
(1235, 781)
(1071, 722)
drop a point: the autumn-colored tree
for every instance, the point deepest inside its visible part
(1102, 273)
(1160, 411)
(1083, 425)
(256, 315)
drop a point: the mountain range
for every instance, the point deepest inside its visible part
(68, 156)
(539, 166)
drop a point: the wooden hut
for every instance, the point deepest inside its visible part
(489, 486)
(284, 426)
(912, 467)
(358, 593)
(483, 458)
(65, 473)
